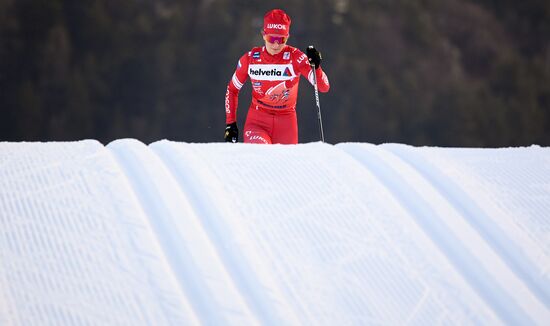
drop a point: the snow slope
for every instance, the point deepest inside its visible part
(236, 234)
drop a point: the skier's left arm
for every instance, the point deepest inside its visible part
(313, 57)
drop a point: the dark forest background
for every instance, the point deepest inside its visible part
(425, 72)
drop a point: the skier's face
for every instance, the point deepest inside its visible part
(274, 43)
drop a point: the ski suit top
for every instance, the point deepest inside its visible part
(274, 79)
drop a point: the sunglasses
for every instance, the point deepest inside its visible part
(276, 39)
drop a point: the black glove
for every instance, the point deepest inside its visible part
(313, 56)
(231, 133)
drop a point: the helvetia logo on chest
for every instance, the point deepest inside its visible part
(270, 72)
(261, 72)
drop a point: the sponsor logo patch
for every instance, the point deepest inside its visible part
(270, 72)
(256, 55)
(257, 86)
(253, 137)
(286, 55)
(276, 26)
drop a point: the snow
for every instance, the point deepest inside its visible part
(237, 234)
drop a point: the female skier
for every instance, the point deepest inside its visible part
(274, 71)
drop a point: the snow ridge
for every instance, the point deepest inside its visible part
(231, 234)
(192, 181)
(421, 202)
(172, 215)
(519, 263)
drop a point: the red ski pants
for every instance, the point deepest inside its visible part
(270, 126)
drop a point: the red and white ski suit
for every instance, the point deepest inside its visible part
(272, 114)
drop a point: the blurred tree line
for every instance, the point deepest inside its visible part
(425, 72)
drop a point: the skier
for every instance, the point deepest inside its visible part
(274, 70)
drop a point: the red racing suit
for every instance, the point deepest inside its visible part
(271, 116)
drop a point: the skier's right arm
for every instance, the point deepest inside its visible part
(233, 88)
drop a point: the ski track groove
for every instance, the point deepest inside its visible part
(478, 219)
(158, 215)
(464, 261)
(236, 265)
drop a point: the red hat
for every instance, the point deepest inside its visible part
(277, 22)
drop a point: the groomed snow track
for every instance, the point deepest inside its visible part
(235, 234)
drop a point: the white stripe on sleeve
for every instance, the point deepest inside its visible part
(236, 82)
(310, 77)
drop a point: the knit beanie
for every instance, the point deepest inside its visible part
(277, 22)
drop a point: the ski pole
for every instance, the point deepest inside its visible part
(318, 103)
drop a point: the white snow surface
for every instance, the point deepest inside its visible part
(237, 234)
